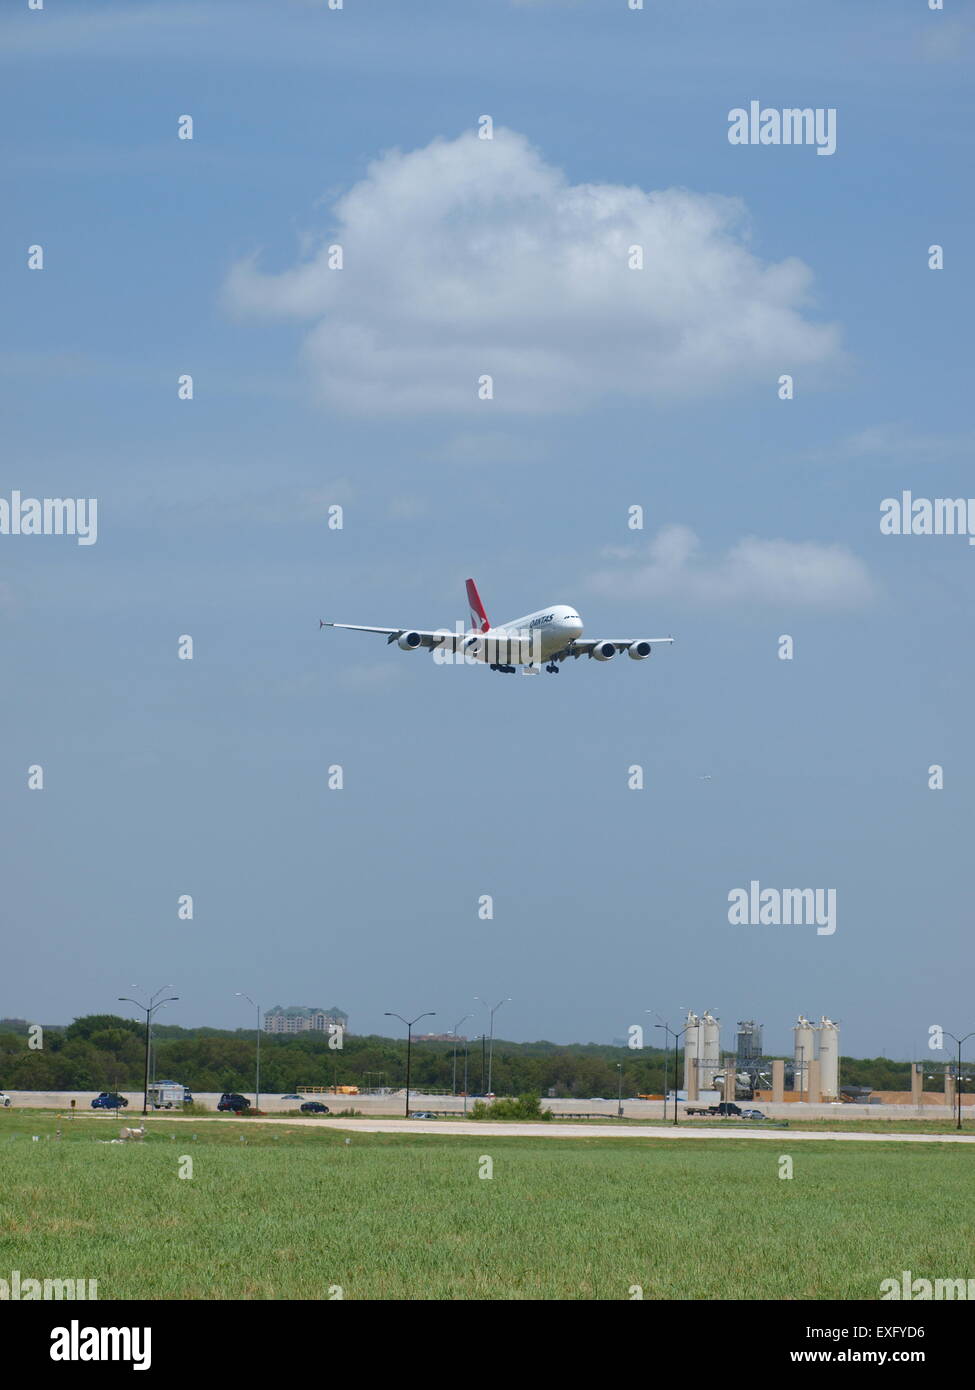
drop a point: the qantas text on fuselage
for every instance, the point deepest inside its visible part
(550, 635)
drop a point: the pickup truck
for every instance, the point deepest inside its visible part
(725, 1108)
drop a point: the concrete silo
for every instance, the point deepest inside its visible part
(709, 1065)
(692, 1047)
(829, 1059)
(804, 1054)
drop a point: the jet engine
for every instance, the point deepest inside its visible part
(409, 641)
(639, 651)
(604, 651)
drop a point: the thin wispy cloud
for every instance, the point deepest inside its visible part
(673, 566)
(893, 442)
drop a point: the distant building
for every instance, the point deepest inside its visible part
(297, 1019)
(439, 1037)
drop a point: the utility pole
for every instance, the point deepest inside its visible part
(491, 1050)
(454, 1031)
(239, 994)
(149, 1010)
(959, 1041)
(676, 1036)
(409, 1045)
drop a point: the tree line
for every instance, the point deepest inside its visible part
(104, 1052)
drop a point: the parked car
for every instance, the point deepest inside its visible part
(230, 1100)
(291, 1097)
(753, 1115)
(109, 1100)
(314, 1107)
(4, 1099)
(421, 1115)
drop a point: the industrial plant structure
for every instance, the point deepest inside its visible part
(813, 1073)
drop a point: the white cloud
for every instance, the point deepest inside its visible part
(751, 571)
(472, 257)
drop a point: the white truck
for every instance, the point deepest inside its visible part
(168, 1095)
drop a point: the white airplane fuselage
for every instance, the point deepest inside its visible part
(555, 627)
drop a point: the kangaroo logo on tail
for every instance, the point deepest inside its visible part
(479, 619)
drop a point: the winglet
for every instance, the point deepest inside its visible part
(479, 619)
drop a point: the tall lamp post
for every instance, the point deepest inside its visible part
(506, 1000)
(619, 1098)
(149, 1009)
(959, 1041)
(239, 994)
(676, 1037)
(454, 1031)
(431, 1013)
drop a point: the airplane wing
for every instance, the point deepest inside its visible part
(584, 646)
(449, 640)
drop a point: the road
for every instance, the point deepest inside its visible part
(554, 1130)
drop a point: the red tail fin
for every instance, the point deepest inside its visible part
(479, 619)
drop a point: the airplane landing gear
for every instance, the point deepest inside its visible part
(553, 666)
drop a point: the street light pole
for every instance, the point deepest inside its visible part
(150, 1009)
(431, 1013)
(619, 1098)
(454, 1031)
(677, 1037)
(491, 1046)
(239, 994)
(959, 1041)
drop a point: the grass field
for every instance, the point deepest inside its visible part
(278, 1211)
(866, 1125)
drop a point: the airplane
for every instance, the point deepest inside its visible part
(552, 634)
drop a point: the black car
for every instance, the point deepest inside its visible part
(230, 1100)
(108, 1100)
(314, 1107)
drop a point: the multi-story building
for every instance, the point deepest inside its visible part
(297, 1019)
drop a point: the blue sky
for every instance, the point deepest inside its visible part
(209, 777)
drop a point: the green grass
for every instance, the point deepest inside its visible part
(292, 1210)
(851, 1125)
